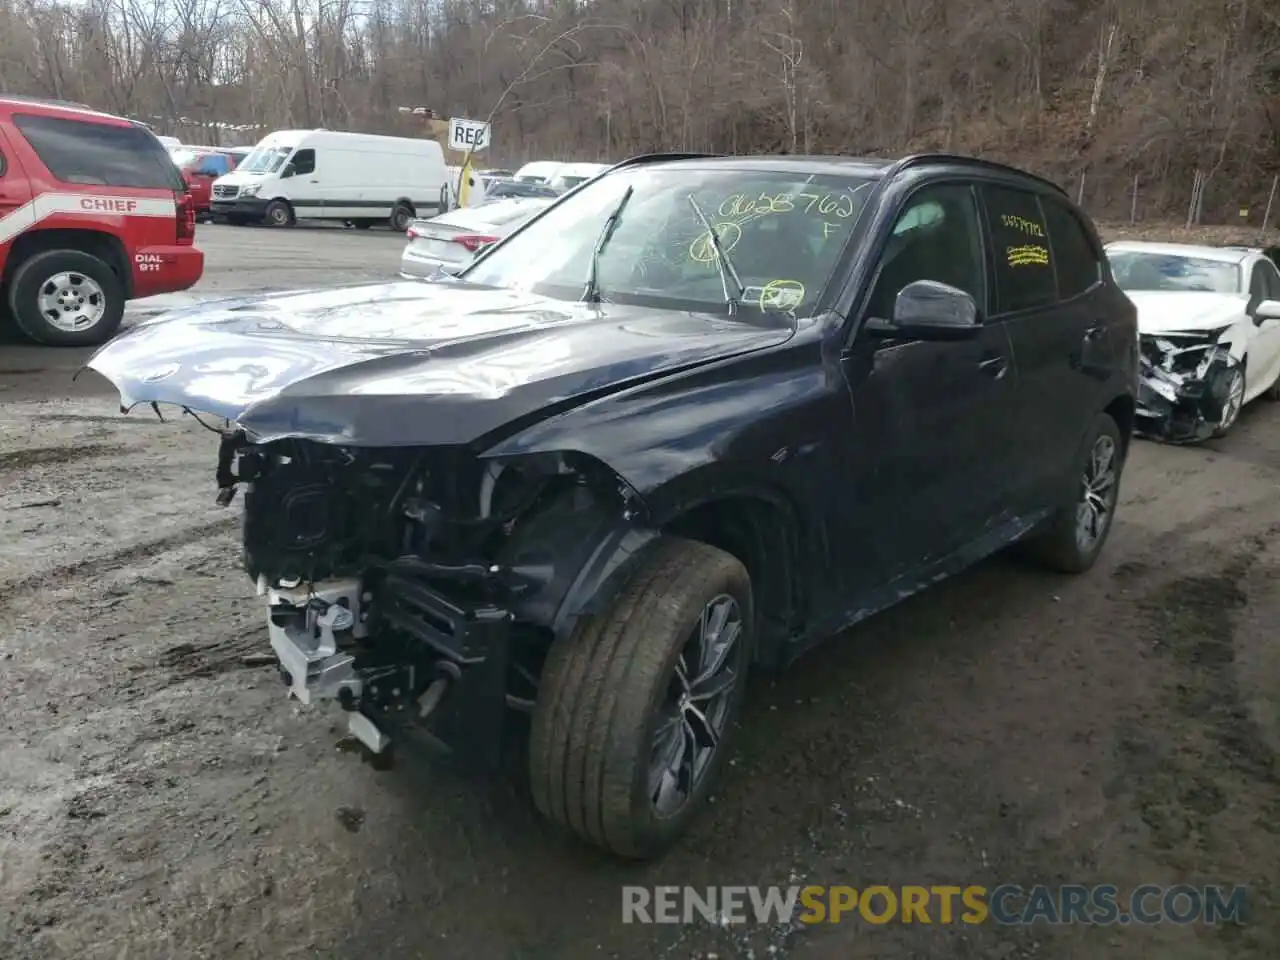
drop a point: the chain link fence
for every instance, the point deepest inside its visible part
(1217, 208)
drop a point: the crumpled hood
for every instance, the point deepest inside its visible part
(1161, 311)
(405, 363)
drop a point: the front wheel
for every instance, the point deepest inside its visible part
(279, 214)
(1073, 537)
(66, 298)
(636, 706)
(1232, 402)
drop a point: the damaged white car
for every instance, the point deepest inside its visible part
(1209, 324)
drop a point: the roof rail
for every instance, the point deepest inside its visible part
(919, 159)
(47, 102)
(660, 157)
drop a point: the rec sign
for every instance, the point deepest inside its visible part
(468, 135)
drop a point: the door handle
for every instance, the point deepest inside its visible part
(1096, 332)
(995, 366)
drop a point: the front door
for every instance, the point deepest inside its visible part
(1263, 365)
(924, 464)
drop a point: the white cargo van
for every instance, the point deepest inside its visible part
(325, 175)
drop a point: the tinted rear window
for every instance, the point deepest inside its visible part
(99, 154)
(1024, 274)
(1077, 261)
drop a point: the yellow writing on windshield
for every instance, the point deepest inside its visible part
(702, 250)
(781, 295)
(1022, 225)
(837, 205)
(1029, 255)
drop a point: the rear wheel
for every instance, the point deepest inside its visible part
(1073, 537)
(401, 217)
(635, 707)
(279, 214)
(66, 298)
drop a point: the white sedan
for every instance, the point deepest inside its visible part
(451, 241)
(1209, 326)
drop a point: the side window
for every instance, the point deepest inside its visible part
(99, 154)
(1077, 262)
(1257, 285)
(936, 237)
(304, 161)
(1271, 280)
(1024, 273)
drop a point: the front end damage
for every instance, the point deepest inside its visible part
(417, 587)
(1184, 385)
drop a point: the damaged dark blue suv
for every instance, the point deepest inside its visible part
(699, 414)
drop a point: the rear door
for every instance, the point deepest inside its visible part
(16, 214)
(1050, 297)
(923, 467)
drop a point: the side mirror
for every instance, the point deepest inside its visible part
(929, 310)
(1267, 310)
(288, 171)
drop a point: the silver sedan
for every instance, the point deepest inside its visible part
(450, 241)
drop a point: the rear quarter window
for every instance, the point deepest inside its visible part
(1077, 262)
(1020, 241)
(99, 154)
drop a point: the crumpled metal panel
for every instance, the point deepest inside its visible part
(1182, 386)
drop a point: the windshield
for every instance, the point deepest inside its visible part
(783, 232)
(1139, 270)
(265, 159)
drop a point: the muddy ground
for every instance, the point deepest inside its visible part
(159, 799)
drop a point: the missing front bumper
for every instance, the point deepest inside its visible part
(1183, 389)
(411, 657)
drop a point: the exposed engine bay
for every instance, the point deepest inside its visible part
(1184, 385)
(395, 575)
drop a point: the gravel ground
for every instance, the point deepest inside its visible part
(158, 799)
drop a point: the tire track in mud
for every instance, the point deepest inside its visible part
(106, 563)
(57, 456)
(1212, 764)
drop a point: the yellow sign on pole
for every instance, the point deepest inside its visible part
(465, 176)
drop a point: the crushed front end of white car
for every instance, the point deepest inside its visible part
(1185, 385)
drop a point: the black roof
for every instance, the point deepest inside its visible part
(859, 166)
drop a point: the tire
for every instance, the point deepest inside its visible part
(606, 686)
(74, 279)
(363, 224)
(1225, 427)
(279, 214)
(1057, 546)
(401, 217)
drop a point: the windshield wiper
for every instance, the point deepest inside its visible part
(723, 262)
(591, 293)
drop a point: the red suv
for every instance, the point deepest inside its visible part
(201, 166)
(92, 213)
